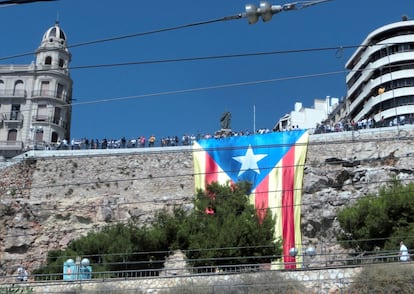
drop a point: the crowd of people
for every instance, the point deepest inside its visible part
(366, 123)
(187, 140)
(142, 141)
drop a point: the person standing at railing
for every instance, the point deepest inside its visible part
(21, 274)
(404, 256)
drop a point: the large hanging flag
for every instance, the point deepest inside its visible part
(273, 163)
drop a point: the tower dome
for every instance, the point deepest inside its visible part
(53, 37)
(53, 51)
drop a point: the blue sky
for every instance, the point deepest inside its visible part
(173, 98)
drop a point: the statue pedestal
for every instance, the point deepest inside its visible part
(224, 133)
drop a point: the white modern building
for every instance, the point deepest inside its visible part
(307, 118)
(35, 99)
(380, 81)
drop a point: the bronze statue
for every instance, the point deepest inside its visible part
(225, 121)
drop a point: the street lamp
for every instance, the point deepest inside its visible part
(266, 10)
(310, 251)
(293, 252)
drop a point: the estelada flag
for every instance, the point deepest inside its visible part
(273, 163)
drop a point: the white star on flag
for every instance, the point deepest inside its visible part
(249, 161)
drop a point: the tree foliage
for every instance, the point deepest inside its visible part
(232, 234)
(380, 220)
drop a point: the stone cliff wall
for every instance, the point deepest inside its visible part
(50, 198)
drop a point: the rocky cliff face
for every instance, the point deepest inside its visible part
(338, 171)
(48, 201)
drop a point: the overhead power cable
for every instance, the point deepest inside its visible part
(265, 12)
(134, 35)
(19, 2)
(199, 89)
(195, 58)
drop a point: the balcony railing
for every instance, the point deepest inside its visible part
(49, 119)
(14, 117)
(51, 94)
(11, 145)
(13, 93)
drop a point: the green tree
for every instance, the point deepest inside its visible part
(235, 225)
(233, 234)
(380, 220)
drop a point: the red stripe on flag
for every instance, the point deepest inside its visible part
(288, 216)
(261, 198)
(211, 170)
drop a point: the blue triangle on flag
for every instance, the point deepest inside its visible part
(250, 158)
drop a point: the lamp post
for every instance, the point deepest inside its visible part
(310, 253)
(266, 10)
(293, 252)
(78, 269)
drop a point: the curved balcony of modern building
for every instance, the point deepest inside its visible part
(397, 71)
(391, 45)
(362, 63)
(403, 110)
(53, 96)
(387, 102)
(386, 64)
(397, 85)
(380, 35)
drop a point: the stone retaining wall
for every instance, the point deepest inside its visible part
(315, 281)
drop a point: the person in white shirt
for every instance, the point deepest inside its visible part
(404, 256)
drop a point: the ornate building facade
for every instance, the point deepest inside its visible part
(36, 99)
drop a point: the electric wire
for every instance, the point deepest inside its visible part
(193, 58)
(134, 35)
(230, 85)
(206, 88)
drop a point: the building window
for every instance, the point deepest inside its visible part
(2, 88)
(52, 32)
(12, 135)
(48, 60)
(18, 88)
(44, 88)
(56, 116)
(61, 62)
(55, 137)
(15, 112)
(59, 93)
(41, 112)
(39, 135)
